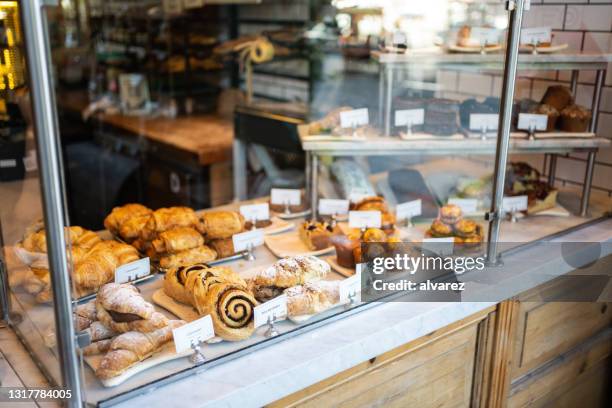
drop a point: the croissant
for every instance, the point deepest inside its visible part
(120, 216)
(313, 297)
(221, 224)
(131, 228)
(98, 331)
(177, 239)
(98, 347)
(84, 315)
(164, 219)
(98, 266)
(133, 347)
(201, 254)
(77, 236)
(223, 294)
(286, 273)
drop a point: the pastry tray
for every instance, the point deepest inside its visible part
(290, 244)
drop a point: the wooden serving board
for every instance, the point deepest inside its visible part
(333, 261)
(278, 225)
(166, 353)
(290, 244)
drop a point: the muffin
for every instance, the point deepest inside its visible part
(465, 228)
(558, 97)
(440, 229)
(345, 245)
(450, 214)
(551, 112)
(575, 118)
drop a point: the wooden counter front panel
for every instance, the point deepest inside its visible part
(432, 372)
(546, 330)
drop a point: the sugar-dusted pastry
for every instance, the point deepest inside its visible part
(177, 239)
(132, 347)
(316, 235)
(223, 247)
(97, 347)
(312, 297)
(98, 266)
(164, 219)
(98, 331)
(450, 213)
(223, 294)
(121, 308)
(120, 216)
(286, 273)
(200, 254)
(221, 224)
(84, 315)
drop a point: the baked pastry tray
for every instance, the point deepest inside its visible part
(290, 244)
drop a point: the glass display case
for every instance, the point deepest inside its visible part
(337, 123)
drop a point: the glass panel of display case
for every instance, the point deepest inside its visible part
(27, 300)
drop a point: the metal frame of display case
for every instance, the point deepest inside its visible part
(53, 195)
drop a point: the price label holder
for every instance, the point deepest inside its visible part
(409, 118)
(485, 36)
(270, 312)
(248, 241)
(535, 36)
(512, 205)
(332, 206)
(532, 122)
(408, 210)
(286, 197)
(133, 270)
(483, 123)
(255, 212)
(469, 206)
(439, 246)
(365, 219)
(357, 195)
(354, 118)
(350, 289)
(192, 336)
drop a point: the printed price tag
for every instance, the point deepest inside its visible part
(536, 35)
(29, 162)
(133, 270)
(283, 196)
(409, 117)
(516, 203)
(331, 206)
(485, 35)
(193, 333)
(354, 118)
(273, 310)
(399, 38)
(244, 240)
(364, 219)
(172, 6)
(255, 212)
(351, 287)
(467, 205)
(484, 121)
(8, 163)
(409, 209)
(529, 121)
(440, 246)
(193, 3)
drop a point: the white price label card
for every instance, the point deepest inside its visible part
(354, 118)
(332, 206)
(29, 162)
(484, 121)
(193, 3)
(409, 117)
(255, 212)
(440, 246)
(485, 35)
(131, 271)
(249, 239)
(193, 333)
(516, 203)
(284, 196)
(351, 287)
(8, 163)
(536, 35)
(365, 219)
(270, 311)
(409, 209)
(467, 205)
(532, 121)
(399, 38)
(172, 6)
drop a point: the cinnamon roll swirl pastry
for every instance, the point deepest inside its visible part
(176, 279)
(221, 293)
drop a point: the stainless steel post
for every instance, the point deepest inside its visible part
(239, 159)
(314, 185)
(552, 169)
(39, 66)
(503, 138)
(5, 300)
(381, 94)
(574, 82)
(590, 167)
(388, 98)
